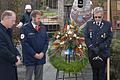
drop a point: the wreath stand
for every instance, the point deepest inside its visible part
(69, 58)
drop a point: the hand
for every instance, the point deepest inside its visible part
(102, 46)
(19, 61)
(94, 49)
(39, 55)
(19, 25)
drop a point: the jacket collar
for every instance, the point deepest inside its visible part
(3, 27)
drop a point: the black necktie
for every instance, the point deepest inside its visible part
(97, 23)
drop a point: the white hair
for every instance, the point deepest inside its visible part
(98, 10)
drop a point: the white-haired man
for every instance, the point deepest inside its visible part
(98, 36)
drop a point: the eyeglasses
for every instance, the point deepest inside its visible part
(97, 16)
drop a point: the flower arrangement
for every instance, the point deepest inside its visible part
(68, 50)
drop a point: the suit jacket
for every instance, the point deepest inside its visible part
(8, 54)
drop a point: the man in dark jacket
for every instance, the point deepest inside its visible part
(98, 36)
(34, 46)
(25, 18)
(9, 56)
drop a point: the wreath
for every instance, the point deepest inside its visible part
(67, 50)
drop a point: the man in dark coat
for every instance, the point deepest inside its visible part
(9, 56)
(34, 46)
(98, 36)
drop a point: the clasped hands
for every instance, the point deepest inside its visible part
(39, 55)
(96, 50)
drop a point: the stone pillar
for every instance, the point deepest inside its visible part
(61, 12)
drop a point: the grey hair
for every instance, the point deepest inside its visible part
(7, 13)
(98, 10)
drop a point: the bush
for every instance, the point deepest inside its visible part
(115, 59)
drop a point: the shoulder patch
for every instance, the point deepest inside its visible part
(22, 36)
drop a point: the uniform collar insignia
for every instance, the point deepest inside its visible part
(101, 25)
(94, 22)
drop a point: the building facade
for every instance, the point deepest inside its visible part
(115, 11)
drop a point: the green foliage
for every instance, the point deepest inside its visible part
(42, 4)
(115, 48)
(49, 13)
(59, 63)
(115, 59)
(101, 2)
(50, 35)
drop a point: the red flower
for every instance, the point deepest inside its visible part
(55, 35)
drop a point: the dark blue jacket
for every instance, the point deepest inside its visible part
(33, 42)
(98, 38)
(8, 53)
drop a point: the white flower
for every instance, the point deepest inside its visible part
(69, 32)
(80, 46)
(62, 42)
(57, 36)
(66, 35)
(74, 35)
(68, 27)
(58, 32)
(77, 37)
(70, 38)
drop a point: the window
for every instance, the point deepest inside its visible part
(118, 5)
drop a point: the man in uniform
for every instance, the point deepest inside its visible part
(98, 38)
(34, 46)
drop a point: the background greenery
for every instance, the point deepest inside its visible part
(115, 59)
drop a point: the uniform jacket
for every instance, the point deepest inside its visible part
(33, 42)
(8, 54)
(98, 37)
(25, 18)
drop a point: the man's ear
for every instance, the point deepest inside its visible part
(33, 20)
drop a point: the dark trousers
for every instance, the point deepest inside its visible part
(98, 69)
(37, 70)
